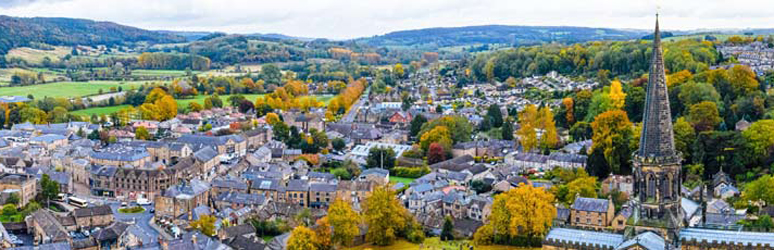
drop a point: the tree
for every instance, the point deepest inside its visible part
(345, 222)
(194, 107)
(569, 109)
(272, 118)
(245, 106)
(459, 127)
(398, 70)
(13, 198)
(742, 80)
(684, 135)
(142, 134)
(435, 153)
(695, 92)
(584, 186)
(704, 116)
(527, 134)
(617, 96)
(338, 144)
(447, 232)
(494, 115)
(507, 131)
(205, 224)
(323, 234)
(416, 124)
(550, 138)
(384, 215)
(611, 133)
(581, 131)
(2, 118)
(480, 186)
(760, 190)
(439, 134)
(302, 238)
(380, 157)
(49, 189)
(521, 216)
(759, 137)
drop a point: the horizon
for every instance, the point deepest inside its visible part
(328, 19)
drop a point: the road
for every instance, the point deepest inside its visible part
(142, 220)
(349, 117)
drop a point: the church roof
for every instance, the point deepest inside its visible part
(657, 139)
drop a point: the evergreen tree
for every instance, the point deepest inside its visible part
(495, 116)
(507, 131)
(416, 125)
(447, 233)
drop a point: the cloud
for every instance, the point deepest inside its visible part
(358, 18)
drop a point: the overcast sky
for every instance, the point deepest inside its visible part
(338, 19)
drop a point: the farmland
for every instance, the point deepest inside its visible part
(68, 89)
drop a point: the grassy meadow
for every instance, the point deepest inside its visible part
(68, 89)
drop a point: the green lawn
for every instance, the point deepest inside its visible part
(401, 179)
(132, 210)
(67, 89)
(99, 110)
(13, 218)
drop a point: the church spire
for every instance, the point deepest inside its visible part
(657, 139)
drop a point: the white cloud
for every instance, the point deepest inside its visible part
(358, 18)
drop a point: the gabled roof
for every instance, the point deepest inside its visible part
(590, 204)
(92, 211)
(647, 240)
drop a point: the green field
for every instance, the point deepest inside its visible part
(99, 110)
(67, 89)
(404, 180)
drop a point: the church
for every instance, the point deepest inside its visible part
(658, 217)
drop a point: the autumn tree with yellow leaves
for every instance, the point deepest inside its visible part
(617, 96)
(302, 238)
(521, 217)
(345, 222)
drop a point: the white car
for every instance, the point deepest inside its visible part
(143, 201)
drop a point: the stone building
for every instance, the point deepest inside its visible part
(181, 199)
(22, 185)
(591, 213)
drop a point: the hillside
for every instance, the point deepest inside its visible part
(18, 31)
(432, 38)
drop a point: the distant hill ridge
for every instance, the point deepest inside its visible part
(488, 34)
(22, 31)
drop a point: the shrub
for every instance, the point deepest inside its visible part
(410, 172)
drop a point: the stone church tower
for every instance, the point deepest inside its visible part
(657, 165)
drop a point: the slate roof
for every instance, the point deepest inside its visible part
(647, 240)
(375, 171)
(322, 187)
(92, 211)
(187, 190)
(265, 184)
(50, 225)
(119, 152)
(205, 154)
(723, 219)
(298, 185)
(209, 140)
(590, 205)
(731, 237)
(242, 198)
(605, 240)
(111, 232)
(48, 138)
(232, 183)
(239, 230)
(50, 246)
(13, 99)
